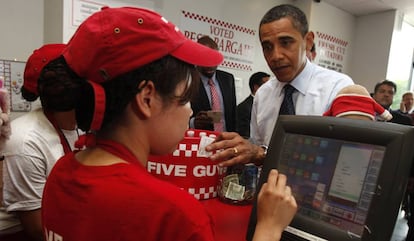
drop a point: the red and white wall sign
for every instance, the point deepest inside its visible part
(330, 51)
(235, 42)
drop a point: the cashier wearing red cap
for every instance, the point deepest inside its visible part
(39, 138)
(139, 68)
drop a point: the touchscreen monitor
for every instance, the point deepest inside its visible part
(348, 176)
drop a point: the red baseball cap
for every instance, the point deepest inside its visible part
(354, 104)
(114, 41)
(37, 61)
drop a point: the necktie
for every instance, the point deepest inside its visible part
(287, 107)
(215, 104)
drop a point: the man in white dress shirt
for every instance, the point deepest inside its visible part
(284, 36)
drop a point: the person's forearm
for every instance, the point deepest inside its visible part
(32, 224)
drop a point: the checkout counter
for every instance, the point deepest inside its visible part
(190, 169)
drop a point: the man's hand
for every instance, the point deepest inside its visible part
(230, 148)
(402, 107)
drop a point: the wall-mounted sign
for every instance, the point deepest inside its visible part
(330, 51)
(235, 42)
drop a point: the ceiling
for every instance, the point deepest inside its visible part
(364, 7)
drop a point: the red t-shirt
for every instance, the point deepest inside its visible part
(118, 202)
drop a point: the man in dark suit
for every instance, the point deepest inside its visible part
(205, 116)
(244, 109)
(384, 92)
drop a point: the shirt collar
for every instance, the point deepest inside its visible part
(301, 82)
(205, 79)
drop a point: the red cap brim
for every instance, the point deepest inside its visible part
(197, 54)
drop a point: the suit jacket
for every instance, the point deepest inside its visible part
(400, 118)
(244, 113)
(200, 102)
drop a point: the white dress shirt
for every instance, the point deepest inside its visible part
(316, 88)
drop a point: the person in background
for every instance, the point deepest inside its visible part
(104, 192)
(384, 92)
(217, 93)
(406, 107)
(39, 138)
(244, 109)
(407, 101)
(299, 87)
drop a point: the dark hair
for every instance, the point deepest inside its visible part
(296, 15)
(257, 79)
(58, 86)
(207, 41)
(28, 95)
(385, 82)
(166, 73)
